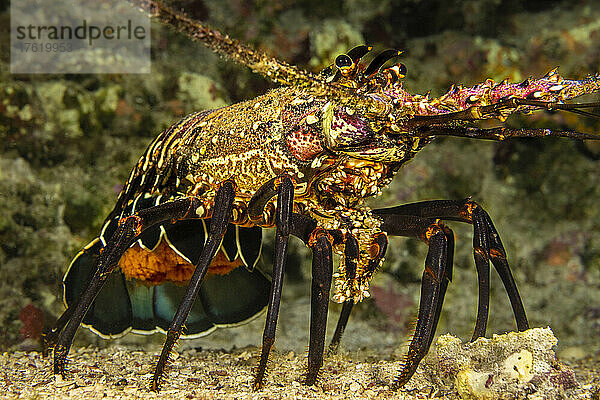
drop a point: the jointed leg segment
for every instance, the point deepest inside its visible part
(341, 326)
(438, 272)
(487, 246)
(422, 220)
(351, 253)
(125, 234)
(285, 198)
(322, 270)
(218, 225)
(320, 242)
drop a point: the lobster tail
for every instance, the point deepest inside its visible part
(146, 304)
(111, 313)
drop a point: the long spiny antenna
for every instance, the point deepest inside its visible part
(448, 124)
(271, 68)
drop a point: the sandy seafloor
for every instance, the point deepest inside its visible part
(122, 373)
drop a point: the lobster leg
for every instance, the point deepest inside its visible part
(50, 336)
(128, 230)
(220, 218)
(438, 272)
(322, 271)
(341, 326)
(481, 246)
(320, 241)
(261, 197)
(351, 254)
(487, 246)
(285, 199)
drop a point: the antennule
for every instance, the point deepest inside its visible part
(271, 68)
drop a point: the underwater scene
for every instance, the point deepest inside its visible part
(69, 142)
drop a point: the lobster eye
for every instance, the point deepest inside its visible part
(394, 73)
(401, 70)
(398, 71)
(343, 61)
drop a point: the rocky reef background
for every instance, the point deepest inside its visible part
(67, 143)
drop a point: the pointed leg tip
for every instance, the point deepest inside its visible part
(334, 348)
(399, 382)
(154, 386)
(60, 359)
(60, 371)
(259, 378)
(311, 378)
(257, 385)
(310, 381)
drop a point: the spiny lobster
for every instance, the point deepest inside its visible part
(301, 159)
